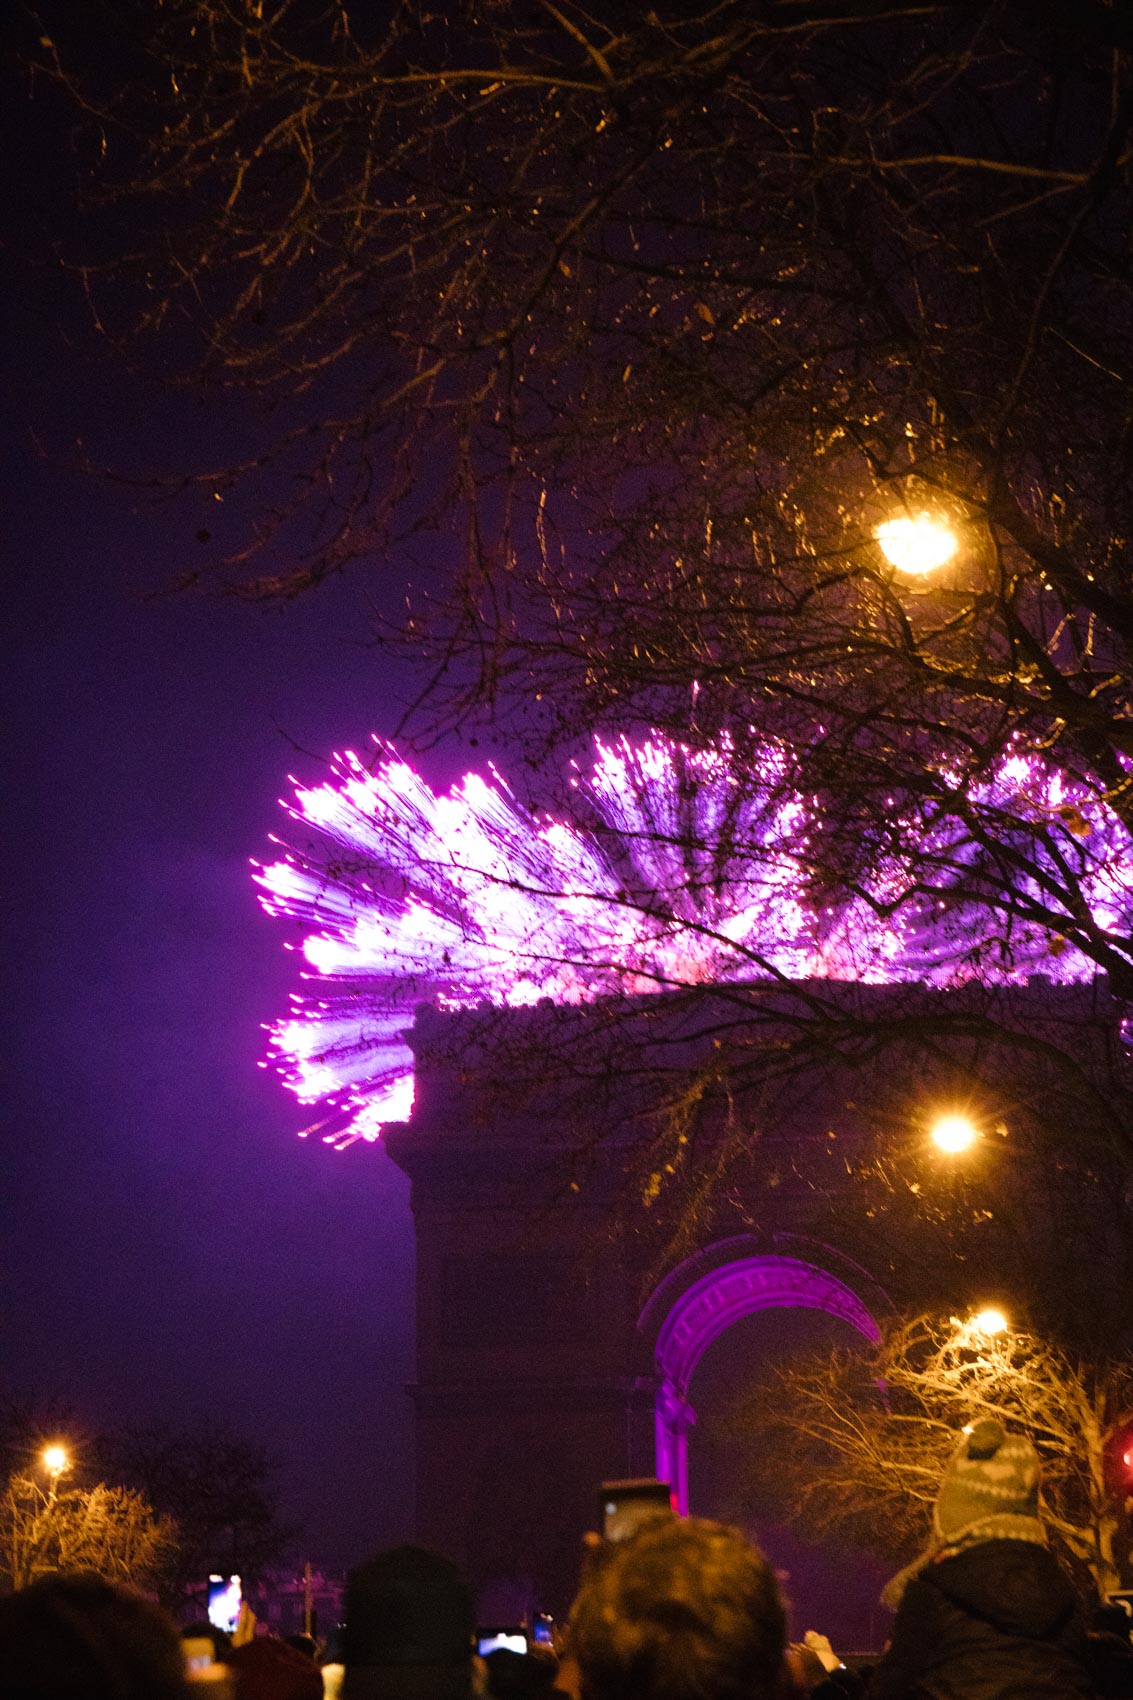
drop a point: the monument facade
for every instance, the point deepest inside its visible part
(559, 1319)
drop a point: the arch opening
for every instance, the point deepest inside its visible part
(705, 1310)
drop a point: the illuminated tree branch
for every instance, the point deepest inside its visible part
(862, 1444)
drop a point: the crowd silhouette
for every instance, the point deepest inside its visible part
(680, 1609)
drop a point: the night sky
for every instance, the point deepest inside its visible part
(172, 1252)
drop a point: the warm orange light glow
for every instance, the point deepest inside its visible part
(953, 1134)
(990, 1321)
(55, 1460)
(916, 543)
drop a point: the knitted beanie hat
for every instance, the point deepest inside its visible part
(990, 1488)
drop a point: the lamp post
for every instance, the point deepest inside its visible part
(55, 1462)
(41, 1527)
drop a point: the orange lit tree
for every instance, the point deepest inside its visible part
(859, 1443)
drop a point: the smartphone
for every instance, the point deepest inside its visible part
(197, 1652)
(513, 1638)
(543, 1629)
(624, 1506)
(225, 1598)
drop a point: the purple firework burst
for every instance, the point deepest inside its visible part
(683, 867)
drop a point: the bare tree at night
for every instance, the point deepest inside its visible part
(113, 1531)
(215, 1489)
(662, 319)
(861, 1444)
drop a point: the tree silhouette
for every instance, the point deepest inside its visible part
(667, 314)
(216, 1488)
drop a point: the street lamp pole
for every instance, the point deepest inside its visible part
(55, 1461)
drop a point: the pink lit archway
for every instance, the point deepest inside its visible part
(701, 1315)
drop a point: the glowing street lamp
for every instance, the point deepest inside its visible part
(953, 1134)
(916, 543)
(990, 1321)
(55, 1460)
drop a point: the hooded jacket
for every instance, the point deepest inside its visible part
(994, 1621)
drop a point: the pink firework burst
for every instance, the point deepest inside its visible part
(684, 868)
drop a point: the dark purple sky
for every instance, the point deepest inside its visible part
(171, 1250)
